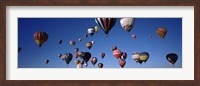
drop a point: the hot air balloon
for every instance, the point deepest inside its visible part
(60, 42)
(80, 39)
(172, 58)
(102, 55)
(106, 24)
(76, 55)
(81, 54)
(127, 23)
(114, 48)
(161, 32)
(94, 60)
(100, 65)
(133, 36)
(46, 61)
(96, 29)
(77, 62)
(136, 56)
(76, 49)
(91, 31)
(68, 58)
(40, 38)
(92, 42)
(85, 36)
(19, 49)
(87, 56)
(117, 53)
(122, 63)
(72, 43)
(144, 56)
(123, 56)
(59, 55)
(89, 45)
(140, 61)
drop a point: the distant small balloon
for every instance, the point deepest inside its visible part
(172, 58)
(89, 45)
(60, 42)
(102, 55)
(85, 36)
(59, 55)
(76, 49)
(117, 53)
(94, 60)
(100, 65)
(19, 49)
(72, 43)
(123, 56)
(133, 36)
(80, 39)
(46, 61)
(122, 63)
(91, 31)
(161, 32)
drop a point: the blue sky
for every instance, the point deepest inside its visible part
(66, 29)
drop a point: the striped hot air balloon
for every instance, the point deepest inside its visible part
(161, 32)
(106, 24)
(40, 38)
(117, 53)
(127, 23)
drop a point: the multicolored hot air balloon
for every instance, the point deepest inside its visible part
(123, 56)
(76, 50)
(161, 32)
(144, 56)
(89, 45)
(122, 63)
(72, 43)
(102, 55)
(40, 38)
(117, 53)
(133, 36)
(136, 56)
(100, 65)
(46, 61)
(106, 24)
(60, 42)
(114, 48)
(127, 23)
(81, 54)
(94, 60)
(96, 29)
(172, 58)
(91, 31)
(68, 58)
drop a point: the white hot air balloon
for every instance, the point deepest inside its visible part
(91, 31)
(92, 42)
(136, 56)
(127, 23)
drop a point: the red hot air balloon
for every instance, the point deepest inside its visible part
(117, 53)
(106, 24)
(122, 63)
(40, 38)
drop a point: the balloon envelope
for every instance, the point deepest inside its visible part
(89, 45)
(102, 55)
(87, 56)
(144, 56)
(117, 53)
(122, 63)
(40, 38)
(72, 43)
(60, 42)
(106, 24)
(172, 58)
(161, 32)
(123, 56)
(136, 56)
(91, 31)
(114, 48)
(100, 65)
(94, 60)
(127, 23)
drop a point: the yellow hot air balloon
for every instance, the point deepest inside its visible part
(144, 56)
(77, 62)
(96, 29)
(89, 45)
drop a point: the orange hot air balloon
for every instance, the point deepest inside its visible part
(161, 32)
(117, 53)
(40, 38)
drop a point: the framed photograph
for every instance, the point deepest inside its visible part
(94, 42)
